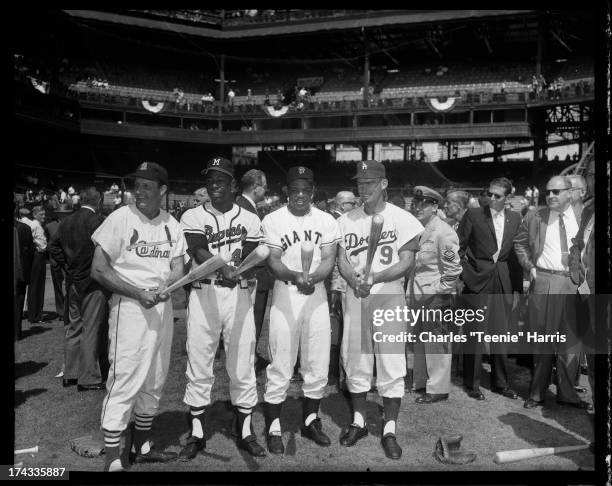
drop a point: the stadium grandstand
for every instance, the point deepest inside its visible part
(444, 97)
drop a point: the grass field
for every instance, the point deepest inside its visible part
(48, 415)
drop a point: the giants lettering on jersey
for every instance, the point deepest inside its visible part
(213, 238)
(352, 241)
(287, 240)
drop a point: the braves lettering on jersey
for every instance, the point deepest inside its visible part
(140, 249)
(285, 231)
(398, 229)
(224, 232)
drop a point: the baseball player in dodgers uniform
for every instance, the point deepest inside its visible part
(383, 290)
(299, 316)
(220, 305)
(139, 252)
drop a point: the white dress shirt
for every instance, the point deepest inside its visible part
(38, 235)
(550, 259)
(499, 221)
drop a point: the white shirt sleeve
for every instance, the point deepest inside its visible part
(331, 232)
(341, 224)
(180, 248)
(190, 222)
(254, 229)
(38, 235)
(109, 234)
(271, 236)
(407, 227)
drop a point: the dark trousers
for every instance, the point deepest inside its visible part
(36, 289)
(497, 316)
(86, 336)
(20, 292)
(57, 277)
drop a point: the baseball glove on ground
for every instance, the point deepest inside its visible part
(447, 451)
(87, 446)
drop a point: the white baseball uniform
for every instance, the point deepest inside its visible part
(297, 319)
(357, 357)
(140, 339)
(213, 310)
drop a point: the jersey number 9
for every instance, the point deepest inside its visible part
(386, 252)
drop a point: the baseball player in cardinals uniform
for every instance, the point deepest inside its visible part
(139, 252)
(220, 305)
(299, 316)
(381, 291)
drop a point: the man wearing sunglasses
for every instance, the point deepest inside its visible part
(542, 248)
(486, 237)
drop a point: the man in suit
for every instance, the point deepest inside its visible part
(542, 246)
(23, 254)
(254, 188)
(57, 274)
(486, 237)
(86, 334)
(36, 288)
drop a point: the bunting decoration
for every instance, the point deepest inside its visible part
(153, 106)
(272, 111)
(442, 103)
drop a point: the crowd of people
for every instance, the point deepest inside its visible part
(443, 246)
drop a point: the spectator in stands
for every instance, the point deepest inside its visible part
(200, 196)
(23, 255)
(114, 187)
(529, 194)
(230, 97)
(249, 94)
(36, 290)
(85, 338)
(71, 191)
(536, 196)
(483, 199)
(76, 198)
(62, 196)
(456, 205)
(345, 202)
(578, 193)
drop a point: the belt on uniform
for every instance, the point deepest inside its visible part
(286, 282)
(561, 273)
(196, 284)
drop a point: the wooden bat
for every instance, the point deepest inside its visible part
(307, 252)
(31, 450)
(209, 266)
(503, 457)
(257, 256)
(375, 231)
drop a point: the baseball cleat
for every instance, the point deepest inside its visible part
(275, 444)
(390, 446)
(250, 445)
(431, 397)
(191, 449)
(314, 432)
(352, 435)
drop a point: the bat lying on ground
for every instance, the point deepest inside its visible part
(209, 266)
(31, 450)
(257, 256)
(503, 457)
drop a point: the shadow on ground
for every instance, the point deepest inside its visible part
(27, 368)
(22, 395)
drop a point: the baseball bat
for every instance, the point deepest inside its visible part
(503, 457)
(31, 450)
(375, 231)
(307, 252)
(209, 266)
(257, 256)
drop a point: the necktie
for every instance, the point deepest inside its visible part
(563, 238)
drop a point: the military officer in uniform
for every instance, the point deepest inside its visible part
(433, 282)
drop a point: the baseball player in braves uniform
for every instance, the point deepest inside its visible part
(383, 290)
(299, 316)
(139, 252)
(220, 305)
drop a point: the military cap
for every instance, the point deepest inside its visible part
(425, 193)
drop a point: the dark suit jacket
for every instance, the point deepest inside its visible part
(73, 249)
(244, 203)
(577, 263)
(477, 244)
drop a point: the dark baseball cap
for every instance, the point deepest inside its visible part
(220, 164)
(300, 172)
(151, 171)
(370, 169)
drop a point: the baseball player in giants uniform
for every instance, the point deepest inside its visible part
(383, 290)
(299, 316)
(139, 252)
(220, 305)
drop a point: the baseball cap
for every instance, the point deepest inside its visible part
(151, 171)
(425, 193)
(24, 211)
(370, 169)
(300, 172)
(345, 197)
(220, 164)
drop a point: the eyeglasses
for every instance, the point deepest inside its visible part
(496, 196)
(556, 192)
